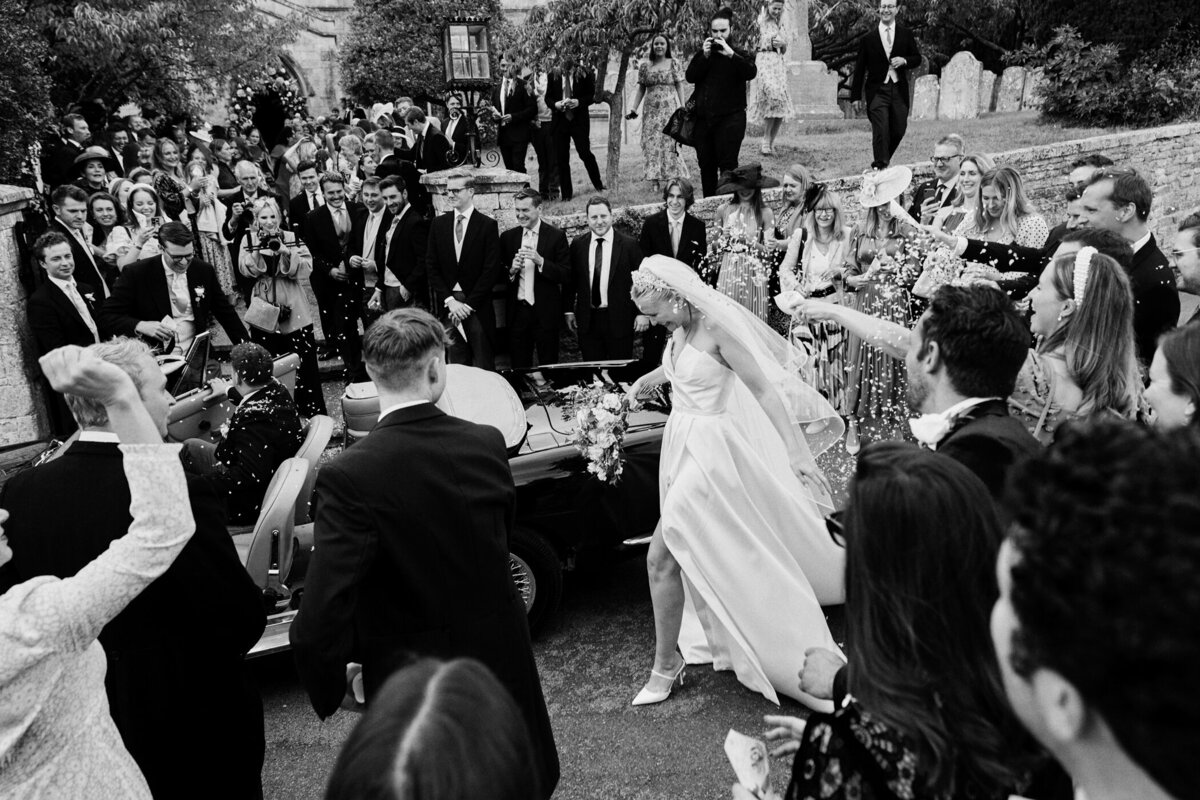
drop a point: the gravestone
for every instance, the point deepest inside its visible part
(959, 96)
(1031, 100)
(987, 90)
(925, 98)
(1012, 89)
(812, 85)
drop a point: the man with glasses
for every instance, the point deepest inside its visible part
(942, 190)
(884, 59)
(1185, 259)
(1119, 200)
(720, 72)
(167, 299)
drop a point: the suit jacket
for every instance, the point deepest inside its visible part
(87, 270)
(523, 108)
(141, 295)
(264, 430)
(1008, 257)
(406, 257)
(458, 136)
(928, 189)
(424, 572)
(177, 683)
(358, 235)
(321, 236)
(547, 281)
(656, 238)
(990, 443)
(234, 228)
(298, 211)
(583, 89)
(1155, 298)
(871, 66)
(477, 272)
(58, 162)
(56, 322)
(432, 151)
(721, 81)
(577, 292)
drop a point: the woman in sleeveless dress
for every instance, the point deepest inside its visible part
(742, 533)
(660, 86)
(745, 275)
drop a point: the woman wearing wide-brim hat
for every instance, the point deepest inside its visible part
(743, 273)
(882, 264)
(91, 169)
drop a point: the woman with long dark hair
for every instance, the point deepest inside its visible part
(1174, 391)
(660, 85)
(924, 712)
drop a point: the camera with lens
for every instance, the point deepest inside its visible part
(269, 241)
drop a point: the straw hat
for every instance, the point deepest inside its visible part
(747, 176)
(96, 153)
(882, 187)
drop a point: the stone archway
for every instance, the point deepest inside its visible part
(297, 72)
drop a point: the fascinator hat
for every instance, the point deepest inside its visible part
(779, 360)
(747, 176)
(882, 187)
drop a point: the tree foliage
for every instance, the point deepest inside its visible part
(24, 95)
(395, 46)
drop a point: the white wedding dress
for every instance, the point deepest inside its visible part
(751, 540)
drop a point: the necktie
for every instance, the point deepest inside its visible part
(315, 200)
(341, 223)
(528, 240)
(460, 226)
(674, 237)
(570, 113)
(77, 301)
(179, 304)
(887, 38)
(597, 268)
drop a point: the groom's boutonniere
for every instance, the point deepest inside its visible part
(199, 292)
(91, 298)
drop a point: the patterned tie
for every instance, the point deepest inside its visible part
(460, 228)
(597, 267)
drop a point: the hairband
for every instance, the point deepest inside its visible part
(1083, 270)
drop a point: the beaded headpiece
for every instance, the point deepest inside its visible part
(1083, 271)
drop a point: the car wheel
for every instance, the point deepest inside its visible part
(537, 573)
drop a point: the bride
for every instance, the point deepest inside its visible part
(741, 561)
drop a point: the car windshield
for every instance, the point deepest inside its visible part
(193, 374)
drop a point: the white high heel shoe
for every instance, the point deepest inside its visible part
(648, 696)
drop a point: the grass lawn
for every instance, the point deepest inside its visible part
(829, 148)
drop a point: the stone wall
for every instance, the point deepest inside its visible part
(1169, 157)
(22, 408)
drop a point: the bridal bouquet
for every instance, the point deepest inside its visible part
(599, 411)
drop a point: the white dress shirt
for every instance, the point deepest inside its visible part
(606, 264)
(450, 126)
(71, 290)
(1140, 243)
(398, 406)
(315, 200)
(930, 429)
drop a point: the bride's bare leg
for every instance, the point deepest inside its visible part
(666, 592)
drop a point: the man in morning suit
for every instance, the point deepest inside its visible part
(596, 297)
(401, 252)
(178, 686)
(569, 93)
(70, 219)
(720, 72)
(885, 55)
(431, 150)
(536, 257)
(942, 189)
(168, 299)
(462, 263)
(515, 110)
(61, 311)
(327, 235)
(58, 159)
(423, 572)
(309, 198)
(1119, 200)
(458, 129)
(675, 233)
(368, 227)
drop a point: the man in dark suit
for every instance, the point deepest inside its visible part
(118, 143)
(168, 299)
(885, 55)
(675, 233)
(328, 230)
(596, 297)
(263, 431)
(309, 198)
(58, 159)
(536, 256)
(1119, 200)
(61, 311)
(423, 572)
(431, 150)
(462, 263)
(942, 189)
(570, 92)
(515, 110)
(720, 72)
(240, 215)
(458, 129)
(178, 686)
(401, 252)
(69, 203)
(369, 226)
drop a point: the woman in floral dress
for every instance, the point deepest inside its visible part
(770, 103)
(745, 263)
(660, 84)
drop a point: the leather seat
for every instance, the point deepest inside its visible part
(267, 552)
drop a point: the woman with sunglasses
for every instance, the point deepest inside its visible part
(921, 710)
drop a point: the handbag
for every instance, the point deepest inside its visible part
(682, 125)
(263, 314)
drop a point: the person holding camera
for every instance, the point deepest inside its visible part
(278, 317)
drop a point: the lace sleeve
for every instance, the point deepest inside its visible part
(68, 614)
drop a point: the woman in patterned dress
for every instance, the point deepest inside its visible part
(1003, 213)
(770, 103)
(660, 84)
(744, 275)
(208, 216)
